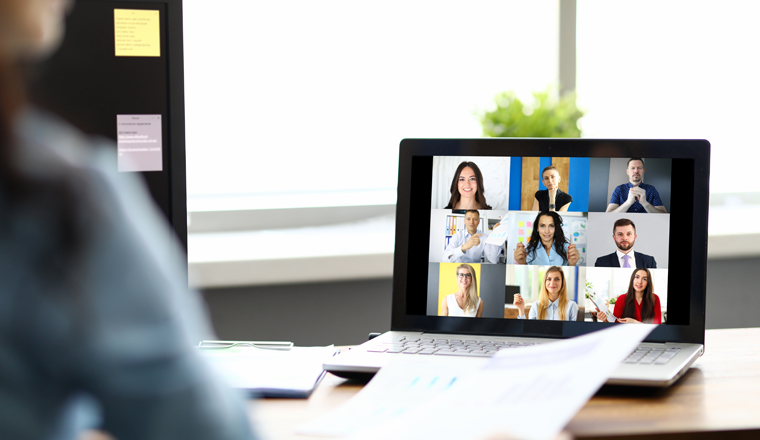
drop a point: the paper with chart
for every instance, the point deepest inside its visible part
(603, 307)
(499, 234)
(507, 394)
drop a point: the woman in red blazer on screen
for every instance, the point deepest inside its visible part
(640, 303)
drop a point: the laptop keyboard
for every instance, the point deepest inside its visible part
(444, 347)
(470, 347)
(655, 356)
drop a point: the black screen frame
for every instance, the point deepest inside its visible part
(414, 203)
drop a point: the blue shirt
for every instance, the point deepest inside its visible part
(121, 328)
(552, 312)
(539, 257)
(620, 195)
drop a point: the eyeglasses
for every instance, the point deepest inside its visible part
(464, 275)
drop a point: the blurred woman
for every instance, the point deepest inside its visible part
(639, 304)
(547, 245)
(552, 198)
(552, 303)
(465, 302)
(94, 306)
(467, 190)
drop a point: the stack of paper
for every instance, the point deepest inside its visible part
(527, 393)
(271, 373)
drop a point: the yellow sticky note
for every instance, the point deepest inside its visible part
(520, 239)
(137, 33)
(521, 224)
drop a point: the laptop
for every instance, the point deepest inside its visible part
(557, 221)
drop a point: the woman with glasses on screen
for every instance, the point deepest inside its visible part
(465, 302)
(95, 314)
(553, 303)
(639, 304)
(547, 245)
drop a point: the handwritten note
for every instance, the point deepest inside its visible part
(137, 33)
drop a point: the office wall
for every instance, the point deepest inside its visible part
(342, 313)
(345, 312)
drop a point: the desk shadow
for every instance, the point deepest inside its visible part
(692, 375)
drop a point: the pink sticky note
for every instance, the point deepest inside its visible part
(521, 231)
(530, 224)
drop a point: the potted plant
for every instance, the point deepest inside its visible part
(546, 116)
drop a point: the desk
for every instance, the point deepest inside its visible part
(718, 398)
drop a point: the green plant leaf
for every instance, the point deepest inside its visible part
(546, 116)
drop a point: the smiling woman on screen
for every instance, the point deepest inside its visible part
(553, 303)
(465, 302)
(639, 304)
(467, 191)
(94, 305)
(547, 244)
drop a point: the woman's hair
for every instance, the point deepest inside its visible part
(479, 196)
(11, 101)
(471, 302)
(559, 236)
(550, 167)
(543, 298)
(647, 302)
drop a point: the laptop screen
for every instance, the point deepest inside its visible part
(559, 242)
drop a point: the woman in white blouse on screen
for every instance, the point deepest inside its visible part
(465, 302)
(552, 303)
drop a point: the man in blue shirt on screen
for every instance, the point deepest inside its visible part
(635, 196)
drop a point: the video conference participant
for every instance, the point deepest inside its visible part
(74, 318)
(552, 303)
(467, 190)
(467, 245)
(552, 198)
(554, 249)
(639, 304)
(465, 302)
(624, 234)
(635, 196)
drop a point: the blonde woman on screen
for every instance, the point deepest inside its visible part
(465, 302)
(552, 303)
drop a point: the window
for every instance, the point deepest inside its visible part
(675, 69)
(290, 103)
